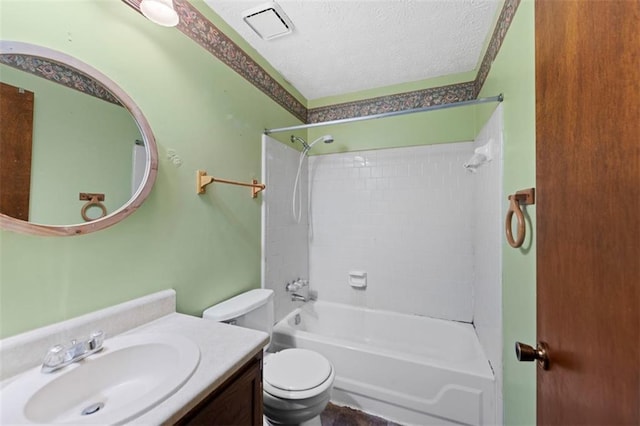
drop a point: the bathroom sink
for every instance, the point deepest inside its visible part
(132, 374)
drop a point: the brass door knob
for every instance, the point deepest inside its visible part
(527, 353)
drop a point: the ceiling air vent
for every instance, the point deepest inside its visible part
(268, 21)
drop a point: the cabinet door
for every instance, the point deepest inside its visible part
(237, 402)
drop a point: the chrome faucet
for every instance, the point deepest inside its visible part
(299, 290)
(60, 356)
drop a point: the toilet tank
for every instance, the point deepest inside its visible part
(252, 309)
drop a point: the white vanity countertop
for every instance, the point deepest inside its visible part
(223, 350)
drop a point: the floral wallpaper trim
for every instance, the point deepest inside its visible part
(59, 73)
(197, 27)
(399, 102)
(425, 97)
(499, 33)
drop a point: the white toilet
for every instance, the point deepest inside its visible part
(297, 383)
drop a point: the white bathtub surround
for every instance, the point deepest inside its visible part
(223, 349)
(403, 215)
(488, 215)
(284, 241)
(428, 234)
(409, 369)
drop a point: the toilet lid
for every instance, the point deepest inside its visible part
(295, 370)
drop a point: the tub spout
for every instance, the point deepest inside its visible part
(298, 298)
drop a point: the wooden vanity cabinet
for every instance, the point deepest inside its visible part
(238, 401)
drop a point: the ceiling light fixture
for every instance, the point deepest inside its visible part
(268, 21)
(160, 12)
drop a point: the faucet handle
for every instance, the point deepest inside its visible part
(55, 356)
(96, 339)
(293, 286)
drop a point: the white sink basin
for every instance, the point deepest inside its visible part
(132, 374)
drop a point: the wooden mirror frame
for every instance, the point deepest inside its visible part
(151, 170)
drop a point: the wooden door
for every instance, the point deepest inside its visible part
(588, 210)
(16, 128)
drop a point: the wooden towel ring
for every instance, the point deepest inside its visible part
(94, 200)
(526, 196)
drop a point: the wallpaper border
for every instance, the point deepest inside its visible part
(59, 73)
(197, 27)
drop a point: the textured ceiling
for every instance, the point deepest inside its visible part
(344, 46)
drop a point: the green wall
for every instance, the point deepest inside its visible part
(207, 246)
(449, 125)
(513, 74)
(80, 144)
(452, 125)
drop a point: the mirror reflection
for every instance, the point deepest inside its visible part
(79, 143)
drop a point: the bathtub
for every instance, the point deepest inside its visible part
(405, 368)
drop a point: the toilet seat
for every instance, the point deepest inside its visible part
(297, 374)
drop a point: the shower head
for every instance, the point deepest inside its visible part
(307, 147)
(325, 139)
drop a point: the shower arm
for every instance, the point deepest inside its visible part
(305, 146)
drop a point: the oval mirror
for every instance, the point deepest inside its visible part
(78, 155)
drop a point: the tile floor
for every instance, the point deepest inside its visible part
(335, 415)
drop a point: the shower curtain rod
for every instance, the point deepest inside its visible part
(498, 98)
